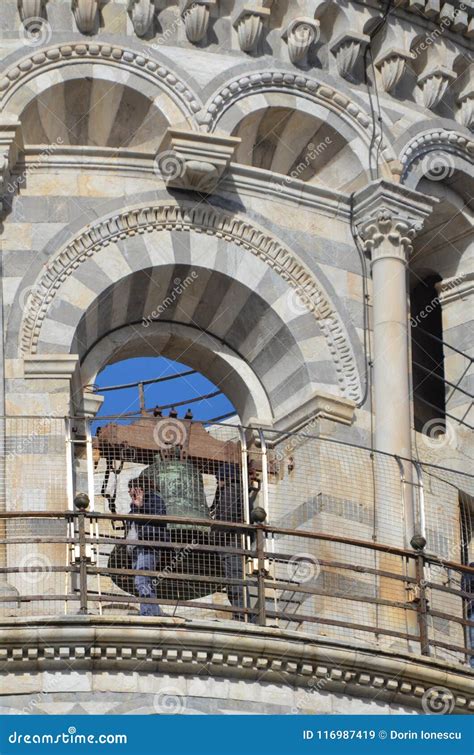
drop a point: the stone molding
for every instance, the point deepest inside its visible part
(177, 646)
(50, 366)
(435, 139)
(297, 84)
(198, 161)
(452, 289)
(77, 52)
(320, 406)
(200, 219)
(388, 217)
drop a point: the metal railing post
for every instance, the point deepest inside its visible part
(82, 562)
(260, 544)
(422, 605)
(246, 501)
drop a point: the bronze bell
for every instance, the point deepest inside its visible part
(181, 486)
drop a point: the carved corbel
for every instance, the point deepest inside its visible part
(193, 160)
(465, 113)
(299, 35)
(433, 85)
(11, 143)
(85, 13)
(249, 26)
(392, 66)
(196, 15)
(141, 12)
(347, 49)
(30, 9)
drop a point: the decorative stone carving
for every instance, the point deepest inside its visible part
(195, 161)
(391, 66)
(113, 55)
(347, 48)
(465, 114)
(10, 145)
(141, 12)
(249, 25)
(85, 13)
(433, 85)
(300, 35)
(437, 139)
(388, 217)
(204, 219)
(196, 14)
(31, 9)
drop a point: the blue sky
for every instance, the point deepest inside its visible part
(181, 389)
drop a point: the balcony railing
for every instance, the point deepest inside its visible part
(332, 559)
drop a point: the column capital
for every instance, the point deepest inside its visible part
(388, 216)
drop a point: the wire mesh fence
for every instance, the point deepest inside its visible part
(230, 524)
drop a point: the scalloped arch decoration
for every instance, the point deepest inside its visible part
(167, 217)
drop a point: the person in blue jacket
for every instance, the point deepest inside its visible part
(145, 500)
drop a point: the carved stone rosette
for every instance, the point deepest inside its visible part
(29, 9)
(347, 49)
(299, 36)
(249, 26)
(141, 12)
(465, 113)
(85, 13)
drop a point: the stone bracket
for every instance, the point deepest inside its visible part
(11, 143)
(195, 161)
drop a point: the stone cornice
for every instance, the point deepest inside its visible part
(199, 218)
(176, 646)
(52, 366)
(388, 217)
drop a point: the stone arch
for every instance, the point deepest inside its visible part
(234, 376)
(26, 78)
(298, 309)
(452, 147)
(244, 94)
